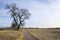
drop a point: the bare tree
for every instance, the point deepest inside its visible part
(19, 15)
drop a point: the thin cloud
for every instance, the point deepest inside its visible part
(44, 13)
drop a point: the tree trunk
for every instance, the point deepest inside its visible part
(18, 27)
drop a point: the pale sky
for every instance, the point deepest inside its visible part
(44, 13)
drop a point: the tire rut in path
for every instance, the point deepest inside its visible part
(29, 36)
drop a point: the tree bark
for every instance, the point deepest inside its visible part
(18, 27)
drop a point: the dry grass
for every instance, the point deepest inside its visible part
(11, 35)
(42, 34)
(46, 34)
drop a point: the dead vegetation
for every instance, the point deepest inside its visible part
(11, 35)
(42, 34)
(46, 34)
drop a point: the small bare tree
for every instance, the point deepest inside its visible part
(13, 25)
(19, 15)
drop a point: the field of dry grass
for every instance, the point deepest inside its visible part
(46, 34)
(41, 34)
(11, 35)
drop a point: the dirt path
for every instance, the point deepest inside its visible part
(29, 36)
